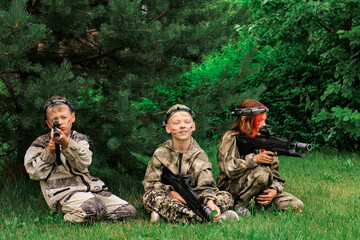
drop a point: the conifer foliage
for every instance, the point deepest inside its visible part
(115, 60)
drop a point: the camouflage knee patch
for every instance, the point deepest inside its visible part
(125, 211)
(168, 207)
(104, 193)
(224, 201)
(94, 208)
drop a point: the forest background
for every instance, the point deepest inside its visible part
(123, 63)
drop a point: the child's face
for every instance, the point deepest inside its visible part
(180, 126)
(64, 116)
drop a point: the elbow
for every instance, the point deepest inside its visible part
(82, 164)
(38, 176)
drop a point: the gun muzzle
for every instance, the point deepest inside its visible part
(56, 132)
(304, 146)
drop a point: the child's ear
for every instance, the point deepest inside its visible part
(167, 128)
(72, 117)
(194, 126)
(48, 124)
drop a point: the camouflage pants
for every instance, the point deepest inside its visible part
(254, 183)
(85, 206)
(173, 210)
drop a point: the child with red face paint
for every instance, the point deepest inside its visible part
(255, 174)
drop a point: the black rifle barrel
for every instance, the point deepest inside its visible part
(282, 147)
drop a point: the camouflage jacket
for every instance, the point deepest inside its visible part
(233, 165)
(60, 180)
(195, 163)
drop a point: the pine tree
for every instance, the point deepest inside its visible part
(111, 59)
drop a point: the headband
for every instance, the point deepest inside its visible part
(58, 101)
(177, 109)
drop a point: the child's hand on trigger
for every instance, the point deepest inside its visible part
(265, 157)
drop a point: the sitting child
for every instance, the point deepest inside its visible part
(255, 174)
(183, 153)
(60, 161)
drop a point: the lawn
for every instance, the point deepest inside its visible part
(327, 183)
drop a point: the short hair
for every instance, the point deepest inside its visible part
(55, 101)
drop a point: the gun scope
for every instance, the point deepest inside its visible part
(266, 130)
(56, 132)
(304, 146)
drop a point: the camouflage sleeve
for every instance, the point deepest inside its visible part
(229, 160)
(78, 154)
(38, 162)
(153, 174)
(278, 183)
(205, 187)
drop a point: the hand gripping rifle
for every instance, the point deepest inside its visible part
(180, 183)
(266, 141)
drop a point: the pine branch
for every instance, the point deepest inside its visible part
(95, 57)
(166, 11)
(12, 94)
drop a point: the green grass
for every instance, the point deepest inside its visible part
(327, 183)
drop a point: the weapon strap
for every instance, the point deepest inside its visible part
(179, 161)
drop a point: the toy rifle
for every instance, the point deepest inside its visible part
(56, 135)
(266, 141)
(180, 183)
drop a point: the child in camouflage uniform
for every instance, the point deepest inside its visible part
(255, 174)
(65, 181)
(182, 151)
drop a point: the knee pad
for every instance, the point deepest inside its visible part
(94, 208)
